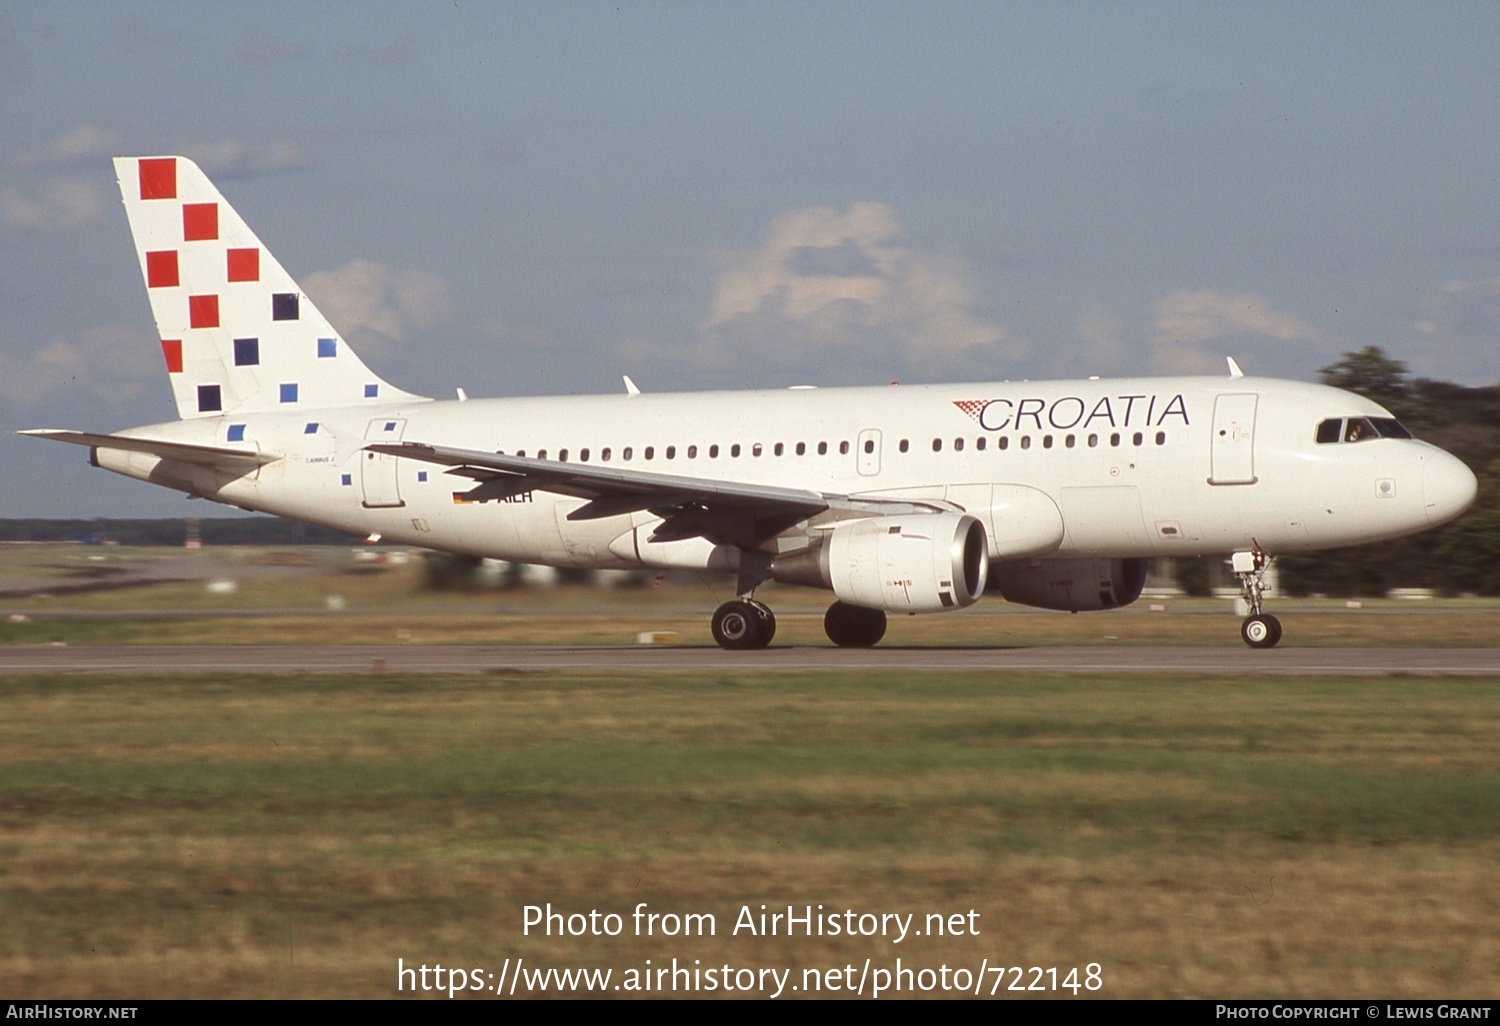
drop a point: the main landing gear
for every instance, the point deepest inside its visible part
(745, 624)
(1260, 630)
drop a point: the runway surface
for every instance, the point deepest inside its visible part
(680, 658)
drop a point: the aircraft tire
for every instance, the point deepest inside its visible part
(1275, 629)
(767, 622)
(739, 625)
(854, 626)
(1262, 631)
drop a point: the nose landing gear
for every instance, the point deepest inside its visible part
(1260, 630)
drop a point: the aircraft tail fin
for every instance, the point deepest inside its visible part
(237, 333)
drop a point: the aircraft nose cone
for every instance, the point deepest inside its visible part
(1448, 487)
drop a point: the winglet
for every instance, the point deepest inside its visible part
(1234, 368)
(630, 386)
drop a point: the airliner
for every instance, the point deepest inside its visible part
(897, 499)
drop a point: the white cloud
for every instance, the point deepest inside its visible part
(828, 285)
(1459, 333)
(91, 146)
(522, 338)
(236, 158)
(1189, 318)
(59, 203)
(376, 306)
(82, 145)
(109, 366)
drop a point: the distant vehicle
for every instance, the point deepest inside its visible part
(905, 500)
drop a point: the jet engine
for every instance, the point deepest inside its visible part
(920, 563)
(1072, 585)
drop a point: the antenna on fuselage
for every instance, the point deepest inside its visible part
(1234, 368)
(630, 386)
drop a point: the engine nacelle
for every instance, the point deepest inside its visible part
(922, 563)
(1072, 585)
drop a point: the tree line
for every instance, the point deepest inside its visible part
(1463, 556)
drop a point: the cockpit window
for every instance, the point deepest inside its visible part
(1360, 429)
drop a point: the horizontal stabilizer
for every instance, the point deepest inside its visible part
(205, 455)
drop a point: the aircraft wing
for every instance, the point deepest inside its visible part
(207, 455)
(722, 511)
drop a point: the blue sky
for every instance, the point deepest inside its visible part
(536, 198)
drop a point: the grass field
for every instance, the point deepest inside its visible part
(295, 836)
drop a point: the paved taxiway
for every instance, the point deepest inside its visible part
(681, 658)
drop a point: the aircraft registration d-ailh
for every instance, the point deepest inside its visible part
(909, 499)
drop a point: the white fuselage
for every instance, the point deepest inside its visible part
(1116, 468)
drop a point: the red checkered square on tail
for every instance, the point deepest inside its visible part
(244, 265)
(203, 311)
(200, 221)
(171, 351)
(158, 178)
(161, 269)
(973, 407)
